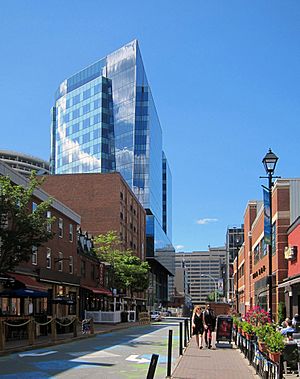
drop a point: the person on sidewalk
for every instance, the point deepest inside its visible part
(209, 323)
(197, 325)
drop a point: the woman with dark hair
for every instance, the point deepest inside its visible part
(197, 325)
(209, 322)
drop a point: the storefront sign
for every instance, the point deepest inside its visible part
(259, 272)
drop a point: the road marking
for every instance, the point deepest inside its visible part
(79, 353)
(96, 354)
(134, 358)
(37, 354)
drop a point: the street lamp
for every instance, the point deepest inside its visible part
(212, 278)
(269, 162)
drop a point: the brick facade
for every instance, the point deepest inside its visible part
(105, 203)
(255, 251)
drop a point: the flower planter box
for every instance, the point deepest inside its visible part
(262, 346)
(249, 336)
(275, 357)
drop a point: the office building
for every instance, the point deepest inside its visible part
(204, 272)
(104, 119)
(24, 163)
(234, 240)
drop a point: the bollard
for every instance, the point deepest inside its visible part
(152, 366)
(2, 336)
(31, 331)
(185, 336)
(75, 322)
(92, 331)
(53, 329)
(180, 338)
(169, 353)
(187, 329)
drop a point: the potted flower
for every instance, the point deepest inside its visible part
(262, 332)
(248, 329)
(275, 345)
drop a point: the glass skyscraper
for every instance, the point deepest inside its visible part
(104, 119)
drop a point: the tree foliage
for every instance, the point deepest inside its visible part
(129, 271)
(20, 227)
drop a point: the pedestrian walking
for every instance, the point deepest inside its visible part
(197, 325)
(209, 323)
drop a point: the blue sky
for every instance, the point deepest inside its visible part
(225, 76)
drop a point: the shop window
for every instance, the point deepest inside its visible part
(48, 258)
(34, 257)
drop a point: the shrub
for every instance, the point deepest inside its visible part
(275, 342)
(247, 327)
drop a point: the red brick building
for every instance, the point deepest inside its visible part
(252, 282)
(291, 284)
(105, 203)
(49, 282)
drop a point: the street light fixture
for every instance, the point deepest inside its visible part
(212, 278)
(269, 162)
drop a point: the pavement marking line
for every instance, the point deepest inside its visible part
(37, 354)
(80, 353)
(96, 354)
(134, 358)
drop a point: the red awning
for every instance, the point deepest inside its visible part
(99, 290)
(29, 282)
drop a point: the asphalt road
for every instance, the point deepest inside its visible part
(121, 354)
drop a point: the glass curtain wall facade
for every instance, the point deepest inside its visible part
(105, 119)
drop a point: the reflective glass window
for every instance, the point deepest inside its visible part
(97, 104)
(97, 118)
(86, 108)
(86, 138)
(76, 99)
(86, 123)
(96, 134)
(86, 94)
(76, 127)
(76, 113)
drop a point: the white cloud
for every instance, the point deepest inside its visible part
(179, 247)
(204, 221)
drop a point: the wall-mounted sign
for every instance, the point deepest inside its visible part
(259, 272)
(290, 252)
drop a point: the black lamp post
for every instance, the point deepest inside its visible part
(269, 162)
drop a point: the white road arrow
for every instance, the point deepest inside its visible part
(134, 358)
(37, 354)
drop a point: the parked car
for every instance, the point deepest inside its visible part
(155, 316)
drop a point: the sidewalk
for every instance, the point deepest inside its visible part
(218, 363)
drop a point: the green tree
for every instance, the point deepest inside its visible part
(211, 296)
(129, 271)
(20, 228)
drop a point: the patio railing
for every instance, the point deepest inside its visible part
(104, 317)
(263, 365)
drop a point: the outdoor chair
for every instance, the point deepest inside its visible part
(290, 358)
